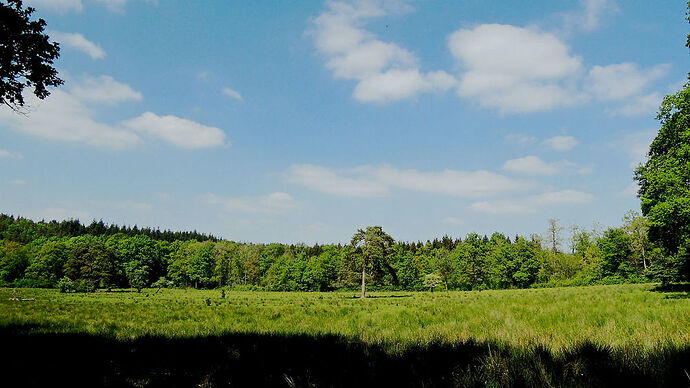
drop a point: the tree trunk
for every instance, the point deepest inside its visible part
(644, 259)
(364, 274)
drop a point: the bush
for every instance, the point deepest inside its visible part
(66, 285)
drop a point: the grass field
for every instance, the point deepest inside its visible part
(631, 323)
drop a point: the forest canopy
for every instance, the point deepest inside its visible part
(74, 256)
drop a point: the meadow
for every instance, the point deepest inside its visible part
(558, 336)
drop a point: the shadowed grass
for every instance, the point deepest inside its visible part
(561, 336)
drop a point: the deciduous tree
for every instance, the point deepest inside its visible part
(26, 55)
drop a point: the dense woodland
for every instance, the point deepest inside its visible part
(76, 257)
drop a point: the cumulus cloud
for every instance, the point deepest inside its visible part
(621, 81)
(78, 42)
(384, 71)
(626, 83)
(178, 131)
(520, 138)
(534, 203)
(64, 117)
(372, 181)
(515, 69)
(530, 165)
(104, 89)
(277, 202)
(561, 143)
(64, 6)
(69, 115)
(647, 104)
(4, 154)
(588, 18)
(57, 5)
(233, 94)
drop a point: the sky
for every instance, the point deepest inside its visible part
(301, 121)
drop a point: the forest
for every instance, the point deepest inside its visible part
(75, 257)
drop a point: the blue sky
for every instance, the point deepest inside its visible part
(303, 121)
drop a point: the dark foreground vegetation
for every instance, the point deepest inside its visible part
(249, 360)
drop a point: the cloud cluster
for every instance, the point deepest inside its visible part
(533, 165)
(533, 203)
(232, 94)
(373, 181)
(509, 68)
(182, 133)
(561, 143)
(64, 6)
(588, 18)
(384, 71)
(77, 42)
(69, 115)
(626, 83)
(4, 154)
(514, 69)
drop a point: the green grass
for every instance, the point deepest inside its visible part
(558, 319)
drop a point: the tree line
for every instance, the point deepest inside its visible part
(73, 256)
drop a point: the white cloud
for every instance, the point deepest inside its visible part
(534, 203)
(113, 5)
(357, 182)
(64, 6)
(520, 138)
(561, 143)
(178, 131)
(64, 117)
(272, 203)
(621, 81)
(384, 71)
(515, 69)
(636, 145)
(61, 6)
(68, 115)
(398, 84)
(589, 17)
(647, 104)
(531, 165)
(232, 94)
(4, 154)
(372, 181)
(78, 42)
(104, 89)
(17, 182)
(626, 83)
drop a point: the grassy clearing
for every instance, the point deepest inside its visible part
(621, 316)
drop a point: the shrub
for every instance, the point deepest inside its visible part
(66, 285)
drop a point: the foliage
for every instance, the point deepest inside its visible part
(432, 280)
(32, 255)
(373, 248)
(664, 180)
(26, 55)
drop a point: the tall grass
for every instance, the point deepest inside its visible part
(558, 319)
